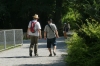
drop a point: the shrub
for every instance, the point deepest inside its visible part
(84, 46)
(77, 51)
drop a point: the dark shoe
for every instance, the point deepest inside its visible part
(50, 55)
(36, 54)
(54, 53)
(30, 53)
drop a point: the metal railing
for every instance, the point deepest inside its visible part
(10, 38)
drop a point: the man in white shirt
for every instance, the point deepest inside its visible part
(34, 36)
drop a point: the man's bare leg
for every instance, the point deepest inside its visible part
(50, 51)
(54, 50)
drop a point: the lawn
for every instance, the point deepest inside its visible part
(8, 46)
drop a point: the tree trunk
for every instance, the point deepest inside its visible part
(58, 15)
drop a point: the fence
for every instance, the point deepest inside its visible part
(10, 38)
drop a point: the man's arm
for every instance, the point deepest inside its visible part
(39, 29)
(28, 29)
(28, 32)
(44, 34)
(56, 32)
(40, 36)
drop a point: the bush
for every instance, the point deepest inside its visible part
(77, 51)
(84, 46)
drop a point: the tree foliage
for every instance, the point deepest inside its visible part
(15, 13)
(80, 10)
(84, 46)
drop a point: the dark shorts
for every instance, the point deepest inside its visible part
(50, 42)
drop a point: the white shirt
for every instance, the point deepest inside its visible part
(37, 26)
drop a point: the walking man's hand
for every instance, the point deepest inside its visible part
(28, 36)
(40, 37)
(44, 37)
(57, 36)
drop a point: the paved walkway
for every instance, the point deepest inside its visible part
(20, 56)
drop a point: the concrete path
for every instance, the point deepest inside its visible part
(20, 56)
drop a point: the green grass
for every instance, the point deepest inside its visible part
(1, 46)
(8, 46)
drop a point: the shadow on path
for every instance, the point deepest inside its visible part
(42, 43)
(25, 57)
(54, 64)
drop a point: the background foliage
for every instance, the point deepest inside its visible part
(18, 13)
(84, 46)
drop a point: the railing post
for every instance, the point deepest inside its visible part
(14, 37)
(22, 36)
(4, 39)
